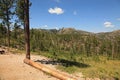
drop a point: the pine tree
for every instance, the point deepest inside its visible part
(6, 13)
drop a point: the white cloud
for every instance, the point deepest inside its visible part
(108, 24)
(56, 10)
(44, 26)
(75, 13)
(56, 28)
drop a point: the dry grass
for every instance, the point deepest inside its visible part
(103, 68)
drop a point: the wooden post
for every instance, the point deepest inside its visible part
(55, 73)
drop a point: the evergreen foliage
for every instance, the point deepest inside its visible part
(69, 45)
(6, 13)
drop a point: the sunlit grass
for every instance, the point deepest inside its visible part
(99, 66)
(69, 69)
(16, 51)
(103, 68)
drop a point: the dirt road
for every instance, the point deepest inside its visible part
(12, 67)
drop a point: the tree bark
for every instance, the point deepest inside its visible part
(8, 28)
(27, 33)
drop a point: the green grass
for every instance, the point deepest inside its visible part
(17, 51)
(69, 69)
(101, 68)
(98, 66)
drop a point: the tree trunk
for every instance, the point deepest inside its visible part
(8, 29)
(113, 49)
(8, 34)
(27, 33)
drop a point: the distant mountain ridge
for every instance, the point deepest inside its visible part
(74, 31)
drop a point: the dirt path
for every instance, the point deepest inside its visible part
(12, 67)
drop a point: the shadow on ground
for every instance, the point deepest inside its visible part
(63, 62)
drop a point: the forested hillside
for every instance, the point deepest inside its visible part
(95, 55)
(66, 42)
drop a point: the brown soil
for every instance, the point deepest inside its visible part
(12, 67)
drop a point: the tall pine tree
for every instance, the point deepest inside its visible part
(6, 13)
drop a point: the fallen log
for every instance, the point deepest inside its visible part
(55, 73)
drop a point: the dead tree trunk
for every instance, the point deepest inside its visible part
(27, 33)
(55, 73)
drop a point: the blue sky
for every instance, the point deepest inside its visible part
(89, 15)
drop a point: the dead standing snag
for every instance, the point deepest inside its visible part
(27, 32)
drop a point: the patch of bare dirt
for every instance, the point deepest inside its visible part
(12, 67)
